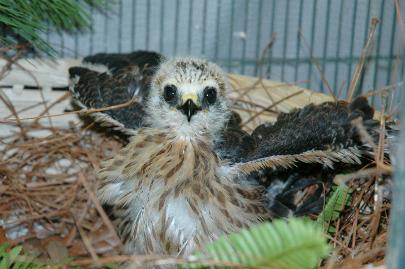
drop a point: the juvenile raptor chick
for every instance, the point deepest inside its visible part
(169, 190)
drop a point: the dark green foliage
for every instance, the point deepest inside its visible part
(22, 21)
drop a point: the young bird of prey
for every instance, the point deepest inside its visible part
(189, 172)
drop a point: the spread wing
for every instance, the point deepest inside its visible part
(306, 148)
(323, 134)
(120, 81)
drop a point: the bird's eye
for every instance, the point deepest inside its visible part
(170, 93)
(210, 95)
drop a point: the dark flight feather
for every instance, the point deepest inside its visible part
(127, 79)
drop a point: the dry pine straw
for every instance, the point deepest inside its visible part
(47, 190)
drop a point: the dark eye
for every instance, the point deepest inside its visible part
(170, 93)
(210, 95)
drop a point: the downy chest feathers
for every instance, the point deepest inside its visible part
(167, 197)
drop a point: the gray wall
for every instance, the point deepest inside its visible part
(234, 32)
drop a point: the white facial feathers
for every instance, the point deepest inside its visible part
(202, 82)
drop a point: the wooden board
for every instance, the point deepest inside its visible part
(38, 72)
(277, 96)
(47, 75)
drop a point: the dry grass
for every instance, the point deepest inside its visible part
(47, 190)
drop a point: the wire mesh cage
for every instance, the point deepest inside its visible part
(312, 38)
(312, 44)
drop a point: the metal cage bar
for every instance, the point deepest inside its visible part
(234, 32)
(396, 248)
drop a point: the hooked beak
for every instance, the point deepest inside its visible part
(189, 108)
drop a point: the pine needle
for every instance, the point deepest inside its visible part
(24, 21)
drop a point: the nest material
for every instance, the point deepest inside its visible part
(47, 191)
(48, 188)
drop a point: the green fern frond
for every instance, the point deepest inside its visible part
(340, 198)
(296, 243)
(13, 259)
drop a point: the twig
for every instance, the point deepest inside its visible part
(271, 106)
(88, 245)
(400, 21)
(384, 90)
(47, 108)
(360, 65)
(149, 260)
(11, 107)
(82, 111)
(8, 65)
(318, 67)
(40, 91)
(24, 109)
(363, 173)
(100, 210)
(244, 91)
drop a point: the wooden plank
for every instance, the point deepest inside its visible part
(266, 93)
(50, 74)
(38, 72)
(42, 73)
(32, 98)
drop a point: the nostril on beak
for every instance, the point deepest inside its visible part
(189, 109)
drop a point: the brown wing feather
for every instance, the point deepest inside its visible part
(320, 134)
(125, 82)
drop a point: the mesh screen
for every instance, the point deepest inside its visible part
(234, 33)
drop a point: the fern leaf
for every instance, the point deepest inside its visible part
(340, 198)
(296, 243)
(8, 258)
(14, 259)
(14, 253)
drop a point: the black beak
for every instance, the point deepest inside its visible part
(189, 109)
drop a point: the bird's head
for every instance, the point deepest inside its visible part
(188, 95)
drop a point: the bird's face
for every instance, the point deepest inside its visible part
(188, 95)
